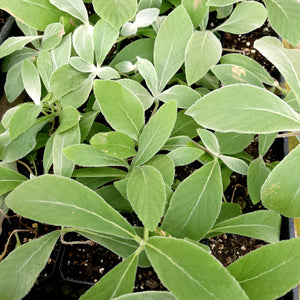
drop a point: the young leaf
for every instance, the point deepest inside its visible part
(52, 36)
(209, 140)
(121, 108)
(48, 154)
(264, 113)
(285, 60)
(86, 122)
(61, 54)
(19, 271)
(45, 68)
(260, 272)
(156, 133)
(61, 165)
(281, 191)
(229, 210)
(107, 73)
(68, 118)
(75, 8)
(246, 17)
(196, 10)
(185, 125)
(170, 45)
(104, 37)
(87, 156)
(82, 65)
(151, 295)
(249, 64)
(31, 81)
(235, 164)
(146, 17)
(14, 84)
(9, 179)
(146, 194)
(265, 142)
(196, 203)
(283, 15)
(114, 143)
(257, 175)
(117, 13)
(176, 142)
(58, 200)
(148, 72)
(202, 52)
(119, 281)
(185, 155)
(221, 2)
(213, 282)
(83, 42)
(263, 225)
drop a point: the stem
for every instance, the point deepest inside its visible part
(233, 50)
(88, 242)
(146, 234)
(26, 166)
(35, 168)
(290, 134)
(156, 102)
(203, 148)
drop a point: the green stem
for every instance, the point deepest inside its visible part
(146, 234)
(156, 103)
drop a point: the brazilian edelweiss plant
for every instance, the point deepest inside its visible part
(160, 98)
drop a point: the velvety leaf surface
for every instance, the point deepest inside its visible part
(185, 126)
(52, 36)
(209, 140)
(265, 142)
(69, 117)
(185, 155)
(9, 179)
(148, 72)
(196, 10)
(235, 164)
(83, 42)
(221, 2)
(14, 86)
(148, 296)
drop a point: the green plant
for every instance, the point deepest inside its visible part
(127, 161)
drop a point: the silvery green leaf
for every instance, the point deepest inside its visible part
(125, 67)
(235, 164)
(209, 140)
(146, 17)
(29, 31)
(52, 36)
(143, 4)
(129, 29)
(107, 73)
(83, 42)
(44, 66)
(61, 54)
(82, 65)
(14, 84)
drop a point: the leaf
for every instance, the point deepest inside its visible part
(61, 54)
(45, 69)
(83, 42)
(229, 210)
(260, 272)
(107, 73)
(221, 2)
(170, 45)
(19, 123)
(146, 69)
(176, 142)
(31, 81)
(9, 179)
(19, 271)
(68, 118)
(213, 282)
(104, 37)
(202, 52)
(99, 172)
(14, 84)
(57, 200)
(146, 194)
(184, 95)
(232, 142)
(249, 64)
(156, 133)
(52, 36)
(35, 13)
(185, 155)
(117, 13)
(185, 125)
(196, 204)
(120, 107)
(75, 8)
(264, 113)
(265, 142)
(262, 225)
(231, 74)
(86, 122)
(87, 156)
(82, 65)
(235, 164)
(246, 17)
(257, 175)
(114, 143)
(285, 60)
(149, 3)
(151, 295)
(209, 140)
(281, 191)
(48, 154)
(119, 281)
(61, 165)
(283, 15)
(196, 10)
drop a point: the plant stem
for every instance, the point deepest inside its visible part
(146, 234)
(203, 148)
(26, 166)
(156, 102)
(88, 242)
(35, 168)
(289, 134)
(233, 50)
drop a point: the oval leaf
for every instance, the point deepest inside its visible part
(235, 164)
(148, 296)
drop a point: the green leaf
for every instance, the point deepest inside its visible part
(61, 54)
(264, 113)
(9, 179)
(48, 154)
(156, 133)
(117, 13)
(285, 60)
(45, 68)
(87, 156)
(196, 10)
(284, 15)
(263, 225)
(232, 142)
(83, 42)
(61, 165)
(19, 123)
(257, 175)
(148, 296)
(196, 203)
(114, 143)
(246, 17)
(265, 142)
(203, 51)
(235, 164)
(146, 194)
(249, 64)
(104, 37)
(82, 65)
(52, 36)
(213, 282)
(119, 281)
(185, 125)
(280, 191)
(231, 74)
(19, 271)
(176, 142)
(221, 2)
(14, 84)
(209, 140)
(35, 13)
(228, 211)
(68, 118)
(31, 81)
(86, 122)
(120, 107)
(75, 8)
(185, 155)
(58, 201)
(183, 95)
(146, 69)
(170, 45)
(107, 73)
(260, 272)
(224, 11)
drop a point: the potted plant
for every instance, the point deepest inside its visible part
(114, 112)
